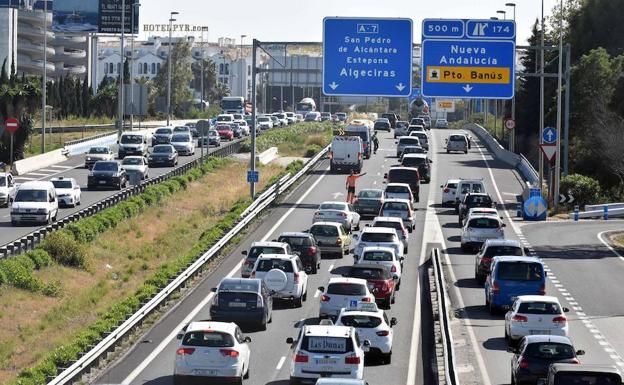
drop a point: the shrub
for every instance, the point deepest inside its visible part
(584, 189)
(40, 258)
(53, 289)
(18, 271)
(312, 150)
(65, 249)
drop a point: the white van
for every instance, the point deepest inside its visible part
(346, 153)
(225, 118)
(35, 202)
(363, 129)
(132, 144)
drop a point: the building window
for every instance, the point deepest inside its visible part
(158, 68)
(248, 83)
(118, 68)
(111, 68)
(140, 69)
(221, 69)
(227, 69)
(145, 71)
(153, 68)
(248, 70)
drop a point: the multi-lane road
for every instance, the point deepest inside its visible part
(582, 273)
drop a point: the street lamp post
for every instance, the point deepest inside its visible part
(134, 6)
(541, 117)
(242, 67)
(512, 132)
(44, 86)
(169, 60)
(504, 13)
(120, 99)
(202, 67)
(559, 80)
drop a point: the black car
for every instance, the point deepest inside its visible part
(393, 118)
(242, 300)
(472, 200)
(194, 131)
(163, 155)
(238, 131)
(162, 136)
(409, 175)
(304, 244)
(420, 161)
(107, 174)
(368, 202)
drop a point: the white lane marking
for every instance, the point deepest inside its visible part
(37, 173)
(510, 194)
(143, 364)
(330, 267)
(46, 170)
(23, 177)
(604, 242)
(317, 293)
(280, 363)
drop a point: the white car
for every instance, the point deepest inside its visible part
(401, 208)
(401, 129)
(327, 351)
(441, 123)
(422, 138)
(340, 381)
(68, 191)
(449, 190)
(372, 324)
(399, 191)
(264, 122)
(225, 118)
(377, 236)
(386, 257)
(457, 143)
(97, 153)
(342, 292)
(7, 189)
(535, 314)
(183, 143)
(136, 164)
(259, 248)
(340, 212)
(405, 141)
(284, 275)
(242, 124)
(35, 201)
(210, 351)
(480, 228)
(480, 211)
(397, 225)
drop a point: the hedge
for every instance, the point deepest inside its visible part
(295, 134)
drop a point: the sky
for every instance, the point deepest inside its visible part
(297, 20)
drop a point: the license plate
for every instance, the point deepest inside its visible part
(102, 182)
(206, 372)
(326, 361)
(539, 332)
(238, 304)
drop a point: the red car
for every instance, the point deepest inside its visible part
(225, 132)
(380, 281)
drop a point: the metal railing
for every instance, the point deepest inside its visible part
(92, 357)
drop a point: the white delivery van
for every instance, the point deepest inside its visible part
(132, 144)
(346, 154)
(35, 202)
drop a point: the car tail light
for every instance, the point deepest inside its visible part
(296, 275)
(359, 156)
(312, 250)
(561, 320)
(486, 260)
(575, 361)
(393, 269)
(352, 360)
(185, 351)
(520, 318)
(325, 298)
(228, 353)
(301, 358)
(343, 215)
(259, 302)
(542, 290)
(524, 364)
(252, 275)
(331, 154)
(366, 299)
(383, 333)
(339, 241)
(249, 263)
(404, 233)
(446, 190)
(495, 288)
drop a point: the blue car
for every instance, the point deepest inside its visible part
(513, 276)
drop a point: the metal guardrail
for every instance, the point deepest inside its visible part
(443, 311)
(90, 358)
(33, 239)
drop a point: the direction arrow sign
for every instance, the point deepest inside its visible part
(549, 150)
(367, 56)
(549, 135)
(12, 125)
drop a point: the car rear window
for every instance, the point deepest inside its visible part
(377, 256)
(549, 351)
(332, 206)
(539, 308)
(327, 344)
(270, 264)
(402, 175)
(587, 378)
(324, 231)
(238, 300)
(479, 200)
(471, 187)
(392, 225)
(208, 339)
(520, 271)
(401, 206)
(368, 273)
(245, 285)
(370, 194)
(360, 321)
(451, 185)
(256, 251)
(409, 141)
(484, 223)
(346, 289)
(457, 138)
(296, 241)
(378, 237)
(397, 189)
(382, 125)
(493, 251)
(413, 161)
(164, 131)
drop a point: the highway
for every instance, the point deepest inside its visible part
(150, 361)
(73, 168)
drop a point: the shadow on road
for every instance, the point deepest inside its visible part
(469, 283)
(497, 343)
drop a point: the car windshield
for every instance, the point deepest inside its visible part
(213, 133)
(377, 256)
(493, 251)
(106, 166)
(180, 138)
(98, 150)
(224, 128)
(209, 339)
(132, 162)
(520, 271)
(549, 351)
(131, 139)
(60, 183)
(587, 378)
(163, 149)
(399, 206)
(324, 231)
(257, 250)
(346, 289)
(378, 237)
(164, 131)
(263, 119)
(382, 125)
(414, 150)
(370, 194)
(360, 321)
(3, 181)
(296, 241)
(226, 118)
(548, 308)
(31, 196)
(284, 265)
(398, 189)
(333, 206)
(181, 129)
(368, 273)
(421, 137)
(417, 122)
(484, 223)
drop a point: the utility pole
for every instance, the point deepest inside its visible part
(134, 6)
(559, 126)
(45, 76)
(252, 158)
(541, 117)
(169, 60)
(512, 132)
(566, 117)
(120, 101)
(242, 67)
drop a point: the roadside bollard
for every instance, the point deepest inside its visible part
(605, 212)
(576, 213)
(519, 210)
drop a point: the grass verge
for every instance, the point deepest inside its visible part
(301, 139)
(618, 239)
(111, 263)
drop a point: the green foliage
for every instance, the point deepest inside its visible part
(292, 136)
(312, 150)
(40, 258)
(18, 272)
(584, 189)
(181, 76)
(53, 289)
(65, 249)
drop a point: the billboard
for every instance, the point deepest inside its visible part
(93, 16)
(445, 105)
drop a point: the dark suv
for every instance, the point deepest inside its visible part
(409, 175)
(393, 118)
(420, 161)
(107, 174)
(472, 200)
(242, 300)
(304, 244)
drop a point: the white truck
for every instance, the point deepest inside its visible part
(346, 154)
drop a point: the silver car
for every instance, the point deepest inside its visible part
(457, 143)
(136, 164)
(183, 143)
(480, 228)
(405, 141)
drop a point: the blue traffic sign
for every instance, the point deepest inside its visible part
(535, 209)
(549, 135)
(367, 56)
(253, 176)
(478, 64)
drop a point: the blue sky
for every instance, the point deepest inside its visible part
(296, 20)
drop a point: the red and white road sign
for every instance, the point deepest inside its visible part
(549, 150)
(11, 125)
(510, 124)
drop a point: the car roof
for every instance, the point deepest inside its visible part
(538, 298)
(295, 234)
(268, 244)
(587, 368)
(358, 281)
(333, 203)
(36, 184)
(241, 281)
(378, 248)
(548, 338)
(478, 194)
(371, 189)
(284, 257)
(404, 168)
(333, 224)
(327, 330)
(399, 184)
(397, 200)
(514, 258)
(227, 327)
(386, 230)
(502, 242)
(106, 147)
(483, 215)
(388, 219)
(60, 178)
(424, 156)
(373, 266)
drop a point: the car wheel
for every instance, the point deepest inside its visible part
(304, 297)
(50, 220)
(398, 286)
(507, 337)
(492, 308)
(464, 248)
(314, 269)
(448, 152)
(387, 358)
(246, 376)
(294, 381)
(465, 151)
(298, 302)
(392, 299)
(513, 380)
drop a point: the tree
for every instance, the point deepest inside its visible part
(210, 77)
(19, 100)
(181, 76)
(595, 23)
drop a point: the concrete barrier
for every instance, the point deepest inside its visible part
(37, 162)
(267, 156)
